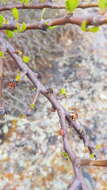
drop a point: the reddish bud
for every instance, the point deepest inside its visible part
(62, 132)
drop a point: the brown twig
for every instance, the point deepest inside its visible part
(45, 24)
(100, 163)
(44, 5)
(1, 77)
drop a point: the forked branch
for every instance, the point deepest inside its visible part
(64, 118)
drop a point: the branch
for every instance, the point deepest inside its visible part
(1, 77)
(102, 163)
(80, 132)
(47, 93)
(75, 183)
(44, 5)
(64, 116)
(67, 147)
(44, 24)
(28, 112)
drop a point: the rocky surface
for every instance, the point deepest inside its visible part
(31, 147)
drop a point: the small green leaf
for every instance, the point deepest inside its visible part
(102, 4)
(93, 29)
(1, 54)
(21, 27)
(65, 155)
(9, 33)
(52, 27)
(21, 1)
(71, 5)
(63, 91)
(15, 13)
(46, 23)
(84, 26)
(18, 77)
(24, 1)
(26, 59)
(1, 20)
(92, 155)
(32, 106)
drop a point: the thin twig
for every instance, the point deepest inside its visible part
(87, 162)
(75, 183)
(1, 77)
(44, 5)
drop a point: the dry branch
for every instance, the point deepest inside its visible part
(1, 77)
(44, 24)
(100, 163)
(44, 5)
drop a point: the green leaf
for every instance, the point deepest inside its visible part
(18, 77)
(21, 27)
(102, 4)
(63, 91)
(65, 155)
(32, 106)
(1, 54)
(52, 27)
(1, 20)
(71, 5)
(26, 59)
(84, 26)
(9, 33)
(93, 29)
(15, 13)
(24, 1)
(92, 155)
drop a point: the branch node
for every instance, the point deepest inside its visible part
(96, 20)
(49, 91)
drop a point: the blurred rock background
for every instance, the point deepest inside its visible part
(31, 153)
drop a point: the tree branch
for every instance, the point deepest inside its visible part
(100, 163)
(46, 92)
(75, 183)
(44, 5)
(64, 116)
(45, 24)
